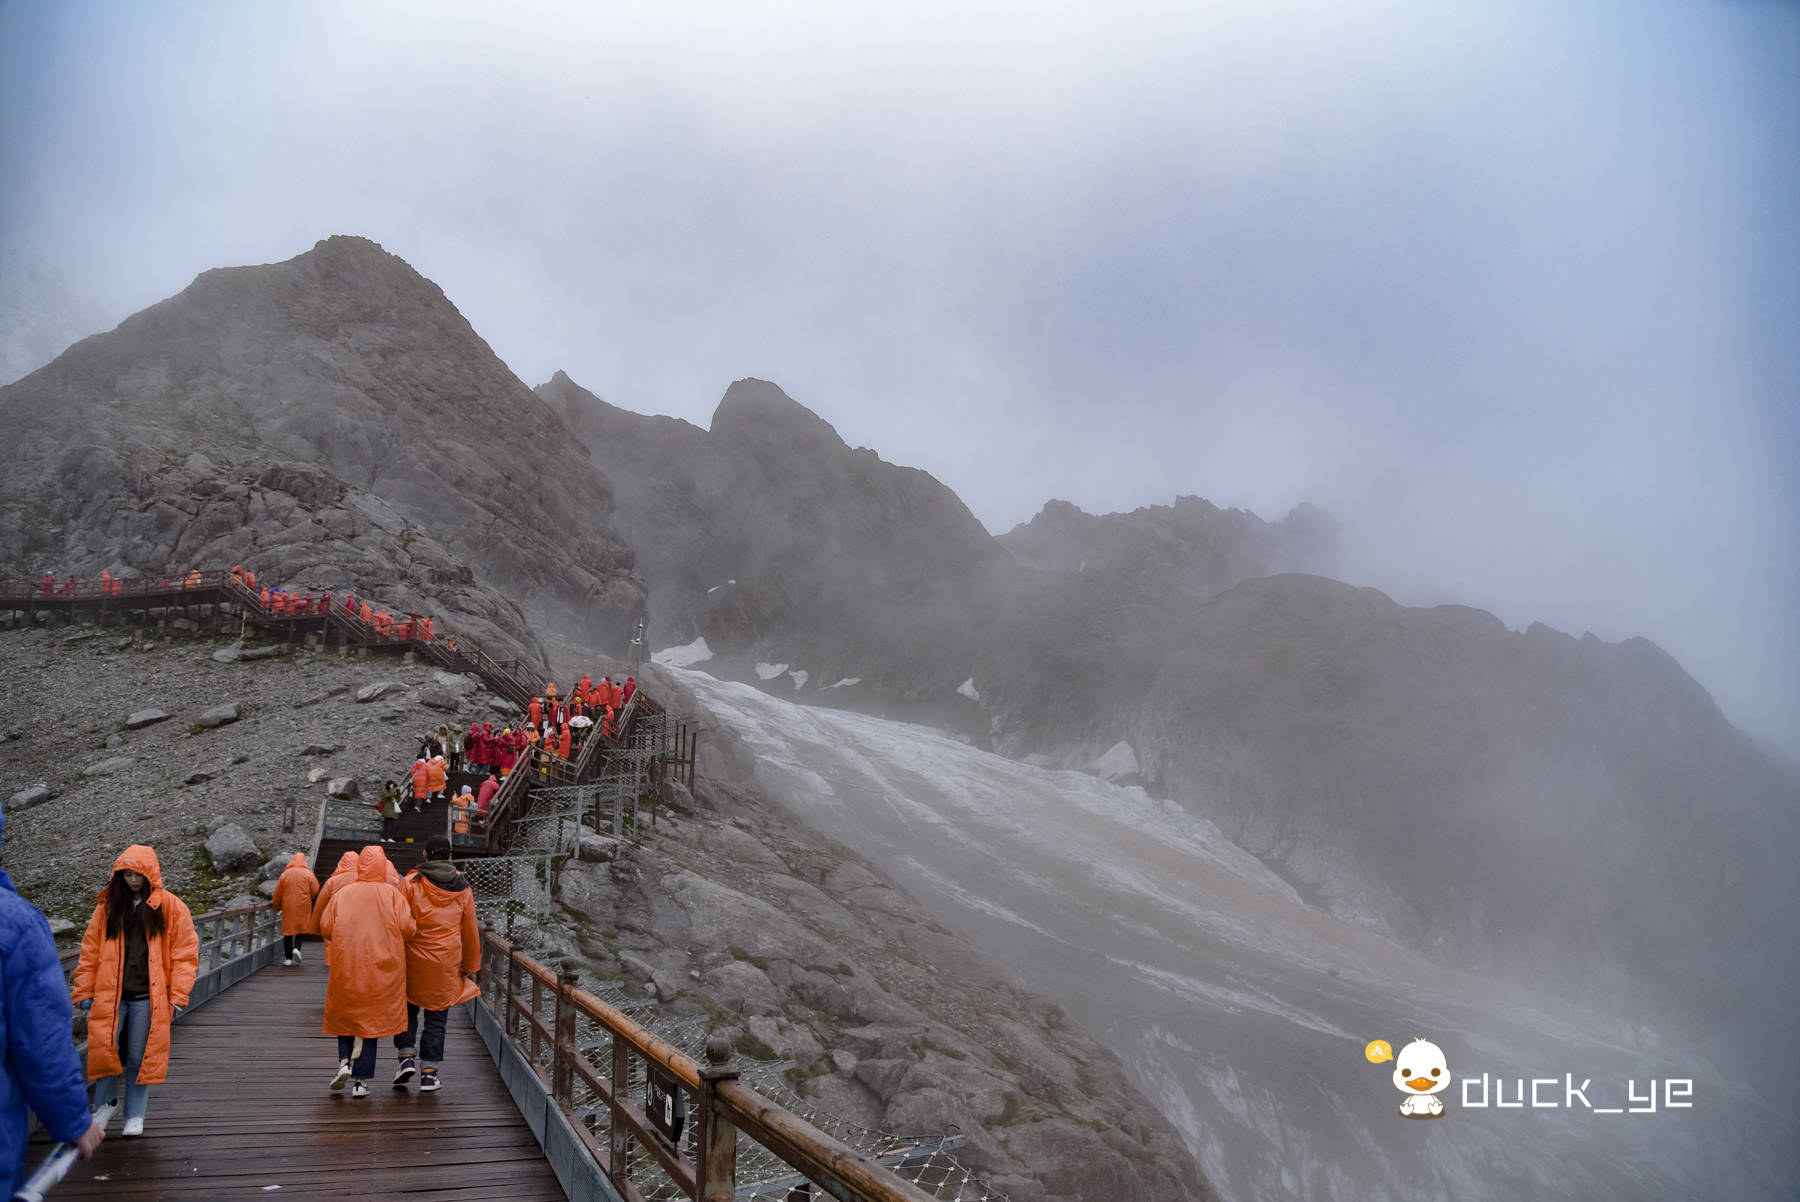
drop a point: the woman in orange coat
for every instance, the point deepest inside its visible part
(340, 876)
(139, 957)
(294, 894)
(441, 960)
(369, 925)
(437, 776)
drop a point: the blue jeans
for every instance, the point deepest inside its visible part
(362, 1065)
(134, 1032)
(431, 1041)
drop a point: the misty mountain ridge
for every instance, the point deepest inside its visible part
(40, 315)
(331, 422)
(1489, 796)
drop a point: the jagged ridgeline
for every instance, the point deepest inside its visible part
(331, 422)
(1570, 812)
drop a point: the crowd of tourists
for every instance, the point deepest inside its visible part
(400, 952)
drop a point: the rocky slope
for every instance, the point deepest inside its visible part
(797, 948)
(766, 534)
(332, 422)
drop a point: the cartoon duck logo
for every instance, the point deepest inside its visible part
(1420, 1073)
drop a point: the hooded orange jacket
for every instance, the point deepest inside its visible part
(448, 943)
(174, 962)
(369, 925)
(436, 773)
(343, 875)
(294, 894)
(421, 780)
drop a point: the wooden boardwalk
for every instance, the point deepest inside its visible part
(247, 1106)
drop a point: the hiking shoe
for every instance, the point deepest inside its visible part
(343, 1075)
(407, 1068)
(428, 1080)
(297, 956)
(359, 1089)
(134, 1126)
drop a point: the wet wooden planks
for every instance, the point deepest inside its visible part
(247, 1106)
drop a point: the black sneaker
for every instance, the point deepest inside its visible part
(407, 1068)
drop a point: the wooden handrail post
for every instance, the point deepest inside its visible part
(512, 994)
(562, 1073)
(218, 931)
(619, 1136)
(716, 1142)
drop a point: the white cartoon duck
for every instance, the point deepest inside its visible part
(1420, 1072)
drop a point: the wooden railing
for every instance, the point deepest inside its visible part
(536, 1011)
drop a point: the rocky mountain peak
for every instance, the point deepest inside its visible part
(756, 410)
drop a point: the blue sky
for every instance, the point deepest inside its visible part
(1512, 288)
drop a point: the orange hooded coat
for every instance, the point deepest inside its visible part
(294, 894)
(343, 875)
(174, 962)
(369, 925)
(437, 772)
(421, 780)
(447, 946)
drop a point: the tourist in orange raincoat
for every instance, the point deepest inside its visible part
(421, 783)
(437, 776)
(368, 614)
(536, 710)
(341, 876)
(441, 960)
(294, 894)
(267, 596)
(369, 925)
(563, 740)
(139, 957)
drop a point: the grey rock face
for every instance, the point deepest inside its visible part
(270, 416)
(231, 850)
(145, 717)
(378, 690)
(107, 767)
(30, 796)
(597, 849)
(220, 715)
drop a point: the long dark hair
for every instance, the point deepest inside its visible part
(122, 915)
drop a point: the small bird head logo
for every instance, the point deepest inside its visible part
(1419, 1069)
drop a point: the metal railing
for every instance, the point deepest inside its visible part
(537, 1012)
(229, 942)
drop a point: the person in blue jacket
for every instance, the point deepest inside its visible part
(42, 1070)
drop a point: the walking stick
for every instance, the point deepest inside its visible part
(56, 1166)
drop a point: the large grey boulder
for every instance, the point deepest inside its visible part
(231, 850)
(455, 683)
(439, 699)
(344, 788)
(378, 690)
(117, 763)
(144, 718)
(220, 715)
(30, 796)
(597, 849)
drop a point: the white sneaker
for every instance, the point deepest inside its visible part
(297, 956)
(133, 1127)
(343, 1076)
(288, 963)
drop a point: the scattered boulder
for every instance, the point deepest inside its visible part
(143, 718)
(199, 776)
(454, 683)
(238, 902)
(267, 888)
(29, 796)
(216, 822)
(503, 707)
(123, 644)
(677, 796)
(231, 850)
(269, 652)
(219, 715)
(60, 926)
(319, 749)
(597, 849)
(336, 690)
(439, 699)
(114, 740)
(344, 788)
(378, 690)
(117, 763)
(184, 624)
(78, 636)
(317, 775)
(226, 655)
(240, 757)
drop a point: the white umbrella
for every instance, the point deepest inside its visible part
(580, 720)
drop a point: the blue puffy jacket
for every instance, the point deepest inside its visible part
(42, 1070)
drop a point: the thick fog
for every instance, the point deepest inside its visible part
(1511, 288)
